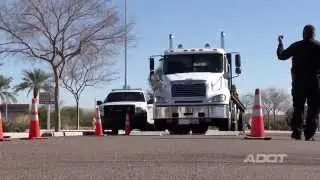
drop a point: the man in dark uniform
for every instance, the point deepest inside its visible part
(305, 73)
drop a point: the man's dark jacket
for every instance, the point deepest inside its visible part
(305, 58)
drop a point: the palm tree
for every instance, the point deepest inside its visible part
(5, 94)
(35, 81)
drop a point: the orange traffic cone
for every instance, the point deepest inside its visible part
(99, 131)
(257, 123)
(34, 130)
(2, 137)
(127, 127)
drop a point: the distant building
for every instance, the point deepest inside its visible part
(14, 110)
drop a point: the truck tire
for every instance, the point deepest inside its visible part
(241, 123)
(179, 130)
(199, 129)
(160, 124)
(234, 118)
(225, 125)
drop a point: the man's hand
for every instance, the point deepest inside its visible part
(280, 37)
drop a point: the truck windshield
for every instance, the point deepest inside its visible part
(125, 96)
(193, 63)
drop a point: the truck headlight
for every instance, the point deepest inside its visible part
(139, 110)
(160, 99)
(218, 98)
(101, 111)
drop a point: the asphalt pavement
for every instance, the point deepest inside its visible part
(158, 157)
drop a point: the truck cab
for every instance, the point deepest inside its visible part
(196, 90)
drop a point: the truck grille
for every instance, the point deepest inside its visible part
(188, 90)
(118, 110)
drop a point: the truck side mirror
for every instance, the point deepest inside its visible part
(238, 64)
(229, 57)
(151, 75)
(99, 103)
(151, 69)
(238, 70)
(151, 64)
(238, 61)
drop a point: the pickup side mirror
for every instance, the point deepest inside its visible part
(150, 101)
(226, 76)
(99, 103)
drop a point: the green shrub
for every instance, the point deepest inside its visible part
(68, 118)
(19, 124)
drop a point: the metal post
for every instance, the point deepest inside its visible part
(222, 39)
(48, 117)
(170, 41)
(125, 44)
(6, 111)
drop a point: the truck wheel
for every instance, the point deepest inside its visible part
(225, 125)
(241, 122)
(235, 112)
(150, 127)
(143, 124)
(234, 119)
(179, 130)
(199, 129)
(160, 124)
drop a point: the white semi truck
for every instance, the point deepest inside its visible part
(195, 90)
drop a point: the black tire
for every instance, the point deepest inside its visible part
(160, 125)
(150, 127)
(241, 122)
(199, 129)
(234, 118)
(179, 130)
(234, 126)
(224, 125)
(141, 122)
(115, 131)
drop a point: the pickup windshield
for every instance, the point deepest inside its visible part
(193, 63)
(125, 96)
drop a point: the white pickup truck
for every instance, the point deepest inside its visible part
(120, 102)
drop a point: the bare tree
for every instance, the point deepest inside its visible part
(275, 100)
(247, 100)
(83, 73)
(57, 31)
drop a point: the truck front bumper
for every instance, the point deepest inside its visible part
(192, 113)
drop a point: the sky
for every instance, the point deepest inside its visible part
(251, 28)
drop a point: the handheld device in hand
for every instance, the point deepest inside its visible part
(280, 36)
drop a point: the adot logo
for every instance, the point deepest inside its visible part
(265, 158)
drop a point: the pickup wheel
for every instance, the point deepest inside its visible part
(141, 122)
(160, 124)
(114, 131)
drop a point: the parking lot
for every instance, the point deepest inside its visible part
(157, 157)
